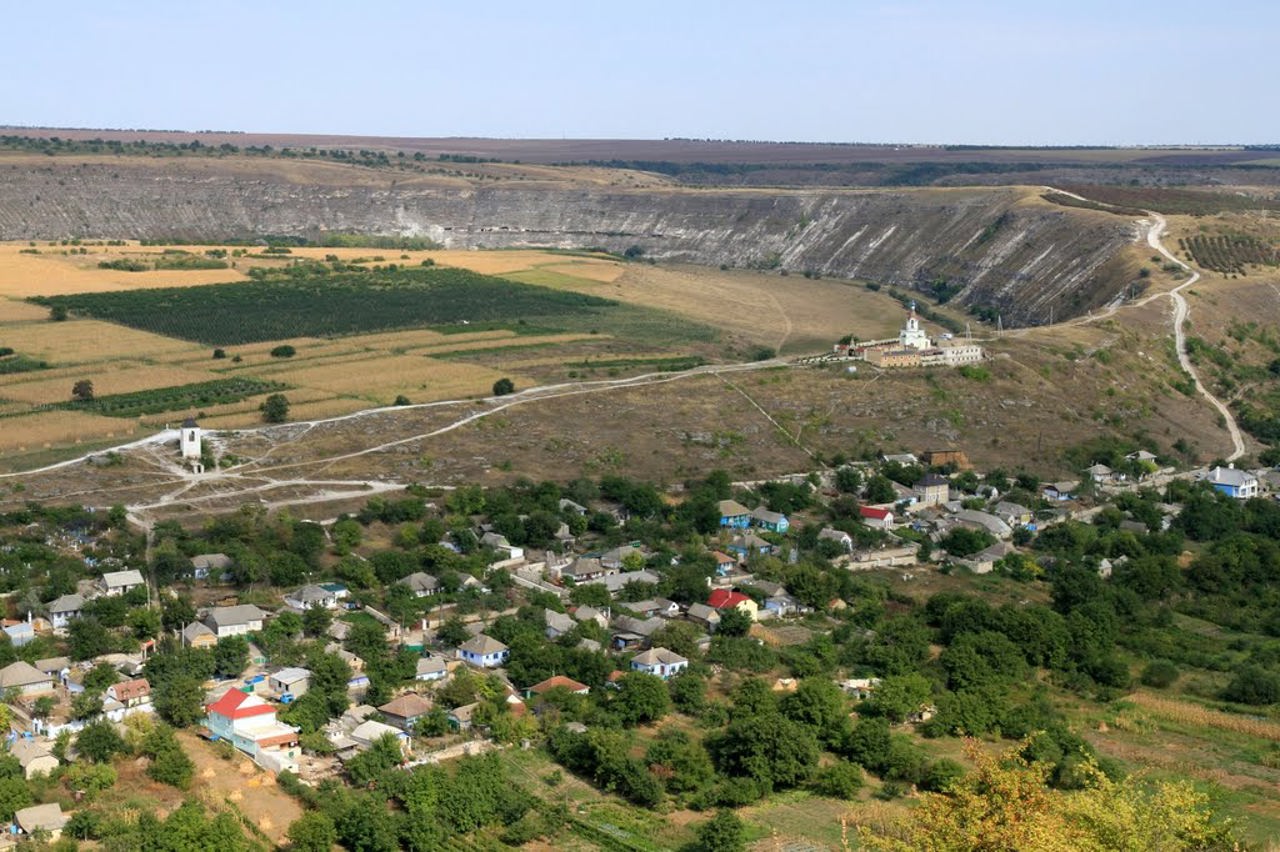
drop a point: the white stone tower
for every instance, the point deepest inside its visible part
(189, 440)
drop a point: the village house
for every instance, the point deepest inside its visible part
(660, 662)
(20, 633)
(311, 595)
(632, 632)
(249, 724)
(460, 718)
(405, 711)
(771, 521)
(1013, 514)
(557, 682)
(484, 651)
(748, 543)
(723, 599)
(615, 583)
(1239, 484)
(567, 505)
(431, 668)
(1101, 474)
(198, 635)
(34, 756)
(557, 623)
(58, 668)
(859, 688)
(724, 562)
(589, 613)
(890, 556)
(617, 558)
(47, 820)
(120, 582)
(655, 606)
(290, 684)
(238, 620)
(207, 565)
(370, 731)
(584, 569)
(422, 584)
(25, 678)
(840, 537)
(131, 693)
(875, 517)
(499, 543)
(979, 520)
(1060, 492)
(64, 609)
(984, 561)
(734, 515)
(932, 490)
(704, 616)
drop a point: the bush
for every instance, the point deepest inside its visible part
(275, 408)
(503, 386)
(284, 351)
(840, 780)
(1160, 674)
(219, 353)
(1253, 685)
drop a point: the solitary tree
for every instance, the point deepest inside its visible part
(503, 386)
(58, 313)
(82, 391)
(275, 408)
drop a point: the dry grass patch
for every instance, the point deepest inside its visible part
(52, 273)
(16, 310)
(509, 342)
(596, 270)
(1188, 713)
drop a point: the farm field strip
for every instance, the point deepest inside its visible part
(32, 431)
(118, 379)
(80, 341)
(1190, 713)
(407, 374)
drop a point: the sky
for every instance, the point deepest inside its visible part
(1034, 72)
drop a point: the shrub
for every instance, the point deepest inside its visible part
(1160, 674)
(283, 351)
(840, 780)
(503, 386)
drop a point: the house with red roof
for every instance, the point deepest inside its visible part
(879, 518)
(723, 599)
(557, 682)
(249, 723)
(131, 693)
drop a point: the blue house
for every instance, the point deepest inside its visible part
(483, 651)
(1238, 484)
(771, 521)
(734, 514)
(745, 545)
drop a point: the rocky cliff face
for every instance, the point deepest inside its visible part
(989, 246)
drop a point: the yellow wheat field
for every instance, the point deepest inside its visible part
(606, 271)
(1187, 712)
(507, 343)
(16, 310)
(315, 410)
(29, 432)
(52, 273)
(116, 378)
(420, 379)
(77, 341)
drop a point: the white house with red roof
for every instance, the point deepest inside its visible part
(723, 599)
(249, 723)
(874, 517)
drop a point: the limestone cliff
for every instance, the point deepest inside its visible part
(994, 246)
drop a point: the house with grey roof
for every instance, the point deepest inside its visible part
(616, 582)
(64, 609)
(422, 584)
(120, 582)
(25, 678)
(484, 651)
(661, 662)
(431, 667)
(312, 595)
(1231, 481)
(558, 623)
(234, 620)
(215, 565)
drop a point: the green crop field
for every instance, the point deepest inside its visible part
(322, 305)
(177, 398)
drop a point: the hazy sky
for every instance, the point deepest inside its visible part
(1027, 72)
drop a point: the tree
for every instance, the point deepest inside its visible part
(86, 705)
(771, 749)
(818, 703)
(734, 622)
(88, 638)
(316, 620)
(503, 386)
(899, 696)
(58, 313)
(14, 795)
(145, 623)
(840, 780)
(275, 408)
(591, 594)
(452, 633)
(99, 742)
(179, 700)
(880, 490)
(82, 391)
(169, 763)
(230, 656)
(724, 832)
(312, 832)
(640, 698)
(1004, 806)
